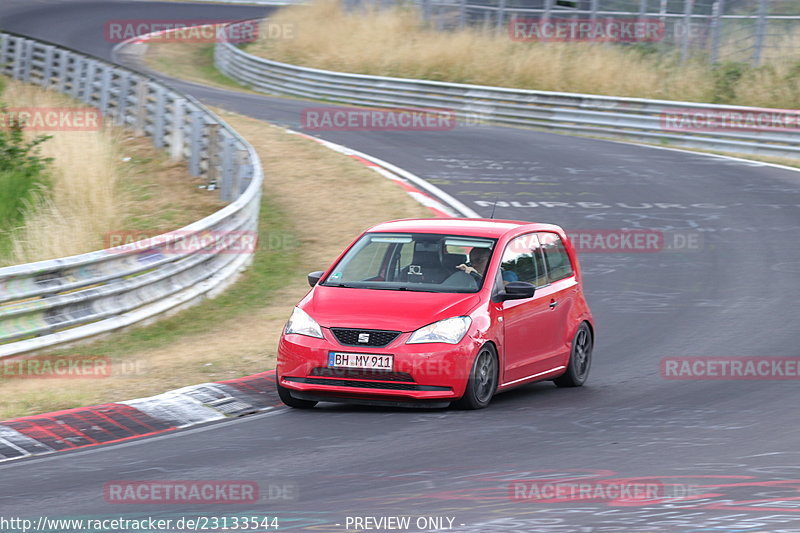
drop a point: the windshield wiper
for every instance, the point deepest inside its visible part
(345, 285)
(410, 289)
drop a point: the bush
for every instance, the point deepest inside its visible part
(23, 171)
(726, 77)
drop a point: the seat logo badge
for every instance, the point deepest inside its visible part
(363, 337)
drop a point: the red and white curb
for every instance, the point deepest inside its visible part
(116, 422)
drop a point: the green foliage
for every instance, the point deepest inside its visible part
(23, 173)
(726, 76)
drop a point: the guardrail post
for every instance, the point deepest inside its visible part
(16, 72)
(213, 153)
(158, 117)
(241, 170)
(63, 62)
(761, 30)
(28, 66)
(688, 7)
(5, 44)
(501, 16)
(124, 87)
(88, 87)
(105, 89)
(176, 139)
(642, 10)
(716, 29)
(47, 69)
(462, 13)
(226, 168)
(548, 8)
(78, 64)
(195, 142)
(140, 120)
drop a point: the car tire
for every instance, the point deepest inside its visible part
(580, 359)
(287, 398)
(482, 382)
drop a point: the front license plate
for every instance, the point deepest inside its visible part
(360, 360)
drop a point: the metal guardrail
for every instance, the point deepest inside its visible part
(634, 119)
(62, 300)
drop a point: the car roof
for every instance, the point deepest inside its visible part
(475, 227)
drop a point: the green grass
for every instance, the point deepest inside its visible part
(194, 63)
(17, 189)
(22, 178)
(272, 268)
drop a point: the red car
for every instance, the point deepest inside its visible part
(435, 311)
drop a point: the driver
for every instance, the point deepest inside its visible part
(478, 260)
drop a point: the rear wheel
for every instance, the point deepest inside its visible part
(482, 382)
(287, 398)
(580, 359)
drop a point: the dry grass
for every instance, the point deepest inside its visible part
(215, 340)
(394, 42)
(774, 85)
(101, 181)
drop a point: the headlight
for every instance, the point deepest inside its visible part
(302, 324)
(449, 330)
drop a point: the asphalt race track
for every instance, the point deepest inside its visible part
(728, 286)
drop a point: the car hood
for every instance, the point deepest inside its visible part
(384, 309)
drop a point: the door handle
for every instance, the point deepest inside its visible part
(553, 304)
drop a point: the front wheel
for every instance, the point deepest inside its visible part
(287, 398)
(482, 382)
(580, 359)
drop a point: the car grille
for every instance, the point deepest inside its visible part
(356, 373)
(349, 337)
(367, 384)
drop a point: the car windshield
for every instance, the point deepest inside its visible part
(419, 262)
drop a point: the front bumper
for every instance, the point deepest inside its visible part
(421, 372)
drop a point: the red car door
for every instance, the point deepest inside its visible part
(563, 290)
(529, 325)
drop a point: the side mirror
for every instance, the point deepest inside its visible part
(516, 290)
(313, 277)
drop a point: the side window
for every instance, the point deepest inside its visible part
(522, 261)
(555, 256)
